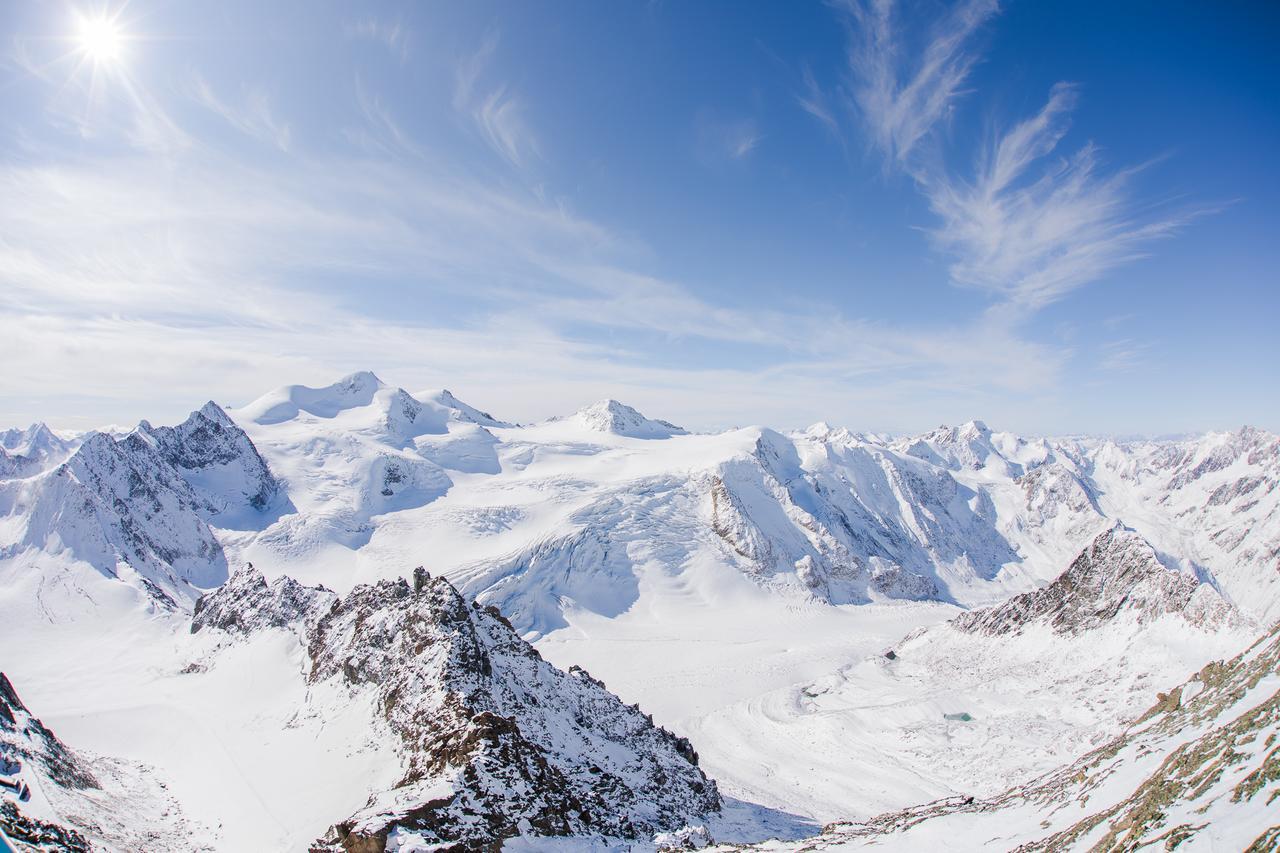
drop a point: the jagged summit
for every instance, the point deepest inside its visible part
(148, 500)
(24, 452)
(825, 432)
(620, 419)
(247, 603)
(1119, 575)
(36, 440)
(214, 412)
(495, 741)
(217, 458)
(968, 446)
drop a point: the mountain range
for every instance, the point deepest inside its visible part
(354, 617)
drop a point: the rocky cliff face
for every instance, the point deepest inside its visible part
(1117, 575)
(29, 752)
(248, 603)
(25, 739)
(217, 459)
(496, 741)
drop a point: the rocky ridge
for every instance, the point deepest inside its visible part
(1118, 574)
(496, 741)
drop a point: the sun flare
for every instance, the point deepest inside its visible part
(100, 39)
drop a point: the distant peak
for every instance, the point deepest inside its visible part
(611, 405)
(361, 380)
(611, 416)
(214, 412)
(461, 410)
(351, 391)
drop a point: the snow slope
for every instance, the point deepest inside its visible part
(990, 698)
(1197, 771)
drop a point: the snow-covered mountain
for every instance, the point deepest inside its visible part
(142, 508)
(24, 452)
(620, 419)
(743, 587)
(54, 798)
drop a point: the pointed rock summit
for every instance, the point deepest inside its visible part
(496, 742)
(1117, 576)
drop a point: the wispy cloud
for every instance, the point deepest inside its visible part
(497, 112)
(500, 117)
(1028, 225)
(393, 35)
(380, 133)
(816, 103)
(1122, 355)
(149, 282)
(718, 139)
(1032, 236)
(744, 140)
(902, 91)
(253, 117)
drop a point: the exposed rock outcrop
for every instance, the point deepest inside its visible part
(496, 741)
(1117, 574)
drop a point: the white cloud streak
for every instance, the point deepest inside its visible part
(1032, 237)
(816, 103)
(1028, 227)
(497, 112)
(393, 35)
(205, 281)
(253, 118)
(904, 93)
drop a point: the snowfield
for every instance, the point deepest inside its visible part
(784, 602)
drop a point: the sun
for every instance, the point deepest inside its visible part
(100, 38)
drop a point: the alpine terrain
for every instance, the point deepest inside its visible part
(359, 618)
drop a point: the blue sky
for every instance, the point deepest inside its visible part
(1057, 218)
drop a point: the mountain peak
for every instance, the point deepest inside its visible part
(1117, 573)
(611, 416)
(966, 446)
(214, 412)
(359, 381)
(461, 410)
(495, 737)
(284, 404)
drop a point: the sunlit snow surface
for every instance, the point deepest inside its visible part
(739, 628)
